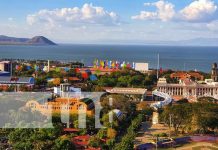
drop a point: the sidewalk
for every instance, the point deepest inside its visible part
(146, 132)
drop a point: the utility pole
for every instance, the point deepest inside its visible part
(170, 119)
(156, 142)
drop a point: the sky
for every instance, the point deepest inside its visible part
(110, 21)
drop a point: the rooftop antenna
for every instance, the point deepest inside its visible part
(158, 65)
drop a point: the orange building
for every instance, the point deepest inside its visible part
(63, 105)
(187, 75)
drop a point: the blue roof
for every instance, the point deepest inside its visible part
(20, 80)
(4, 73)
(93, 77)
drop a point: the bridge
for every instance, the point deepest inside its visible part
(167, 99)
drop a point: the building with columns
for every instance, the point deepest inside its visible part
(189, 89)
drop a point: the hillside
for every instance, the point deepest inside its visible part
(37, 40)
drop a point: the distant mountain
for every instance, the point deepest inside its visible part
(199, 42)
(40, 40)
(37, 40)
(189, 42)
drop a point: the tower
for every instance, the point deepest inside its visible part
(214, 72)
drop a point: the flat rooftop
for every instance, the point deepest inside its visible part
(139, 91)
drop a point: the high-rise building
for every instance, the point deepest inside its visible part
(214, 72)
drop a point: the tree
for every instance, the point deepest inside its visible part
(123, 81)
(102, 133)
(195, 117)
(105, 81)
(182, 101)
(64, 143)
(145, 108)
(176, 116)
(207, 99)
(206, 118)
(127, 141)
(34, 138)
(40, 81)
(57, 81)
(95, 141)
(136, 80)
(120, 102)
(18, 139)
(111, 133)
(110, 143)
(106, 123)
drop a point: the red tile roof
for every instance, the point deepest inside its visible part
(82, 137)
(74, 79)
(71, 130)
(183, 75)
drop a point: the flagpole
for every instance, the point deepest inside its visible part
(158, 65)
(11, 65)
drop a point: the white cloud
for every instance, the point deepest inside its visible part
(213, 26)
(165, 11)
(88, 14)
(10, 19)
(199, 11)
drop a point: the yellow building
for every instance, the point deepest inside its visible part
(63, 106)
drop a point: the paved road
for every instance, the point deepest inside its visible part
(146, 132)
(142, 135)
(200, 145)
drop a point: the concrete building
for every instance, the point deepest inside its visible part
(6, 82)
(189, 89)
(67, 90)
(63, 105)
(214, 72)
(17, 81)
(142, 67)
(128, 91)
(5, 66)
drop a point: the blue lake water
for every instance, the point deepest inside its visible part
(178, 58)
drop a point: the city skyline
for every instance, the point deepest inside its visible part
(96, 21)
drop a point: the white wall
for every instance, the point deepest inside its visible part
(142, 67)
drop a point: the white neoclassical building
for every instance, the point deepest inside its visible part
(189, 89)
